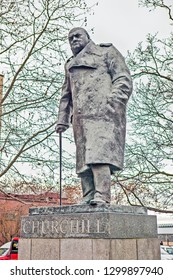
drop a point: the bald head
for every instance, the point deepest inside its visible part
(79, 29)
(78, 39)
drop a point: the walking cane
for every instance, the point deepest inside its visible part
(60, 166)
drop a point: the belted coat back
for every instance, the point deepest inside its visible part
(95, 92)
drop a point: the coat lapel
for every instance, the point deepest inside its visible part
(86, 58)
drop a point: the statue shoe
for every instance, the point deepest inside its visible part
(96, 201)
(84, 202)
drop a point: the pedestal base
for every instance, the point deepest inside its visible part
(89, 233)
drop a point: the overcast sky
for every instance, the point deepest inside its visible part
(124, 23)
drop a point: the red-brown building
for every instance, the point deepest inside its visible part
(13, 206)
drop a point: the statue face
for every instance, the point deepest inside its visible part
(78, 39)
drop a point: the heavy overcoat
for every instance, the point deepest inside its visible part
(95, 93)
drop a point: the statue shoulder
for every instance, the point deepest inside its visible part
(105, 45)
(111, 49)
(67, 63)
(70, 58)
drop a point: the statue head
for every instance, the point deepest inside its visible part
(78, 39)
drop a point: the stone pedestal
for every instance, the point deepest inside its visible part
(89, 233)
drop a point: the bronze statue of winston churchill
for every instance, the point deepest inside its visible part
(95, 93)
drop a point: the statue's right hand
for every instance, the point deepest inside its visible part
(60, 128)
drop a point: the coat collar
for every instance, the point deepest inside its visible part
(91, 47)
(85, 56)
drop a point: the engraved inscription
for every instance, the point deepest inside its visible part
(62, 227)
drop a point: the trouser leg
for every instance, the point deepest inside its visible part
(88, 188)
(102, 183)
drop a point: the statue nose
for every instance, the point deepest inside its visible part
(74, 39)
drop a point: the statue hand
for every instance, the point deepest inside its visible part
(61, 128)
